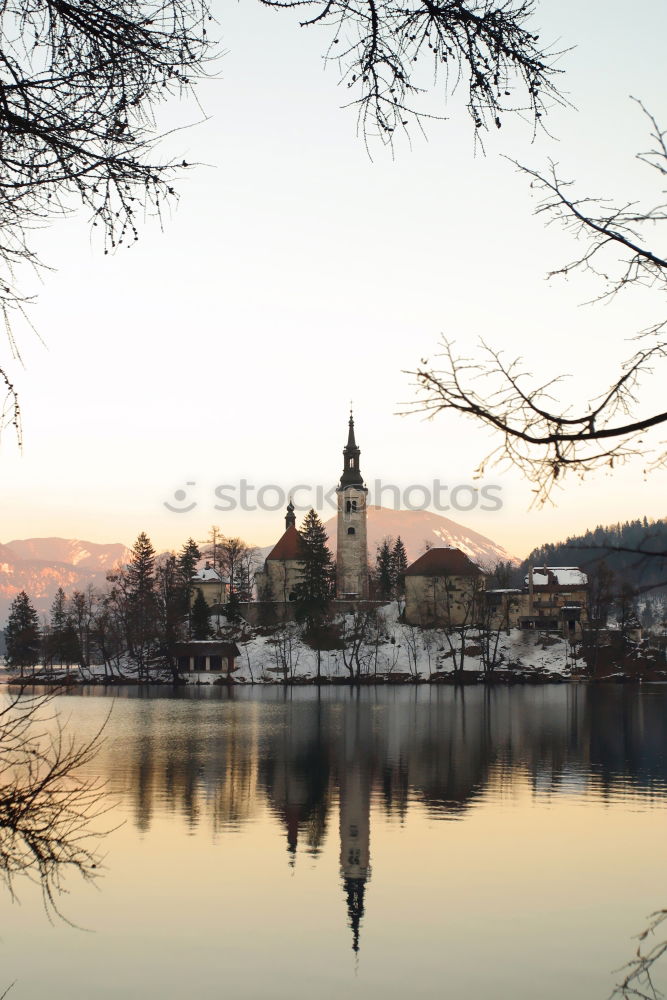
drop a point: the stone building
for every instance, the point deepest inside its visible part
(443, 587)
(213, 586)
(282, 567)
(351, 547)
(555, 599)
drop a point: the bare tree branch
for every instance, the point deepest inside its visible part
(536, 435)
(380, 47)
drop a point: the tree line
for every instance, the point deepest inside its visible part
(145, 609)
(633, 551)
(152, 602)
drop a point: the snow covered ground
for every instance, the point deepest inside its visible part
(389, 648)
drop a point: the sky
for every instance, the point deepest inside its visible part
(297, 273)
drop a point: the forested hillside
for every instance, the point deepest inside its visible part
(641, 561)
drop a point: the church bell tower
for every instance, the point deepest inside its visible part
(351, 549)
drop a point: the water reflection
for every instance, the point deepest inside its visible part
(224, 758)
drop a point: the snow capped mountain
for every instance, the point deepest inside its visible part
(419, 528)
(41, 565)
(72, 551)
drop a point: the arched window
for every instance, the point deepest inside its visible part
(350, 506)
(351, 464)
(351, 531)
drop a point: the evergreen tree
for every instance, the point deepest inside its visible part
(142, 603)
(384, 569)
(200, 623)
(53, 647)
(62, 644)
(187, 562)
(22, 635)
(315, 588)
(502, 576)
(170, 608)
(399, 559)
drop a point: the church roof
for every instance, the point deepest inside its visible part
(290, 546)
(443, 562)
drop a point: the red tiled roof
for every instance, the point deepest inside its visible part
(290, 546)
(443, 562)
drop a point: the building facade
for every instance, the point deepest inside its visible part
(444, 587)
(555, 599)
(351, 544)
(213, 586)
(278, 579)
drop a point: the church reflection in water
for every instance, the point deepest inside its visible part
(222, 758)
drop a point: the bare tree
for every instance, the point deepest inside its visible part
(543, 441)
(381, 48)
(81, 83)
(47, 805)
(79, 87)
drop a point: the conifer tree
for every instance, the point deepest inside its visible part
(399, 565)
(384, 569)
(170, 608)
(62, 645)
(315, 588)
(187, 562)
(199, 620)
(22, 635)
(142, 603)
(57, 627)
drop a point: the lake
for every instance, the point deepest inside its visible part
(375, 843)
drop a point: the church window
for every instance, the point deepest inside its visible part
(350, 506)
(351, 531)
(351, 464)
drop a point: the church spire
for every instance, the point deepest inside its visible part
(354, 893)
(351, 471)
(290, 517)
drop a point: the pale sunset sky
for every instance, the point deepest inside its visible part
(297, 273)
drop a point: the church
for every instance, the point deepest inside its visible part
(282, 567)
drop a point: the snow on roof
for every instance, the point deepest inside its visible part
(561, 576)
(206, 574)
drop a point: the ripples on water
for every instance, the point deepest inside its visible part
(291, 844)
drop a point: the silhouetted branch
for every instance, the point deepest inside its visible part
(536, 435)
(47, 803)
(381, 47)
(638, 980)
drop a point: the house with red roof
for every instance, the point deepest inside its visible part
(444, 587)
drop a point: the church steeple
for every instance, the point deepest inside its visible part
(354, 893)
(290, 517)
(351, 452)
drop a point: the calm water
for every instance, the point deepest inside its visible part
(382, 843)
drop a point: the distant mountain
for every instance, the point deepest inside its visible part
(419, 528)
(41, 565)
(90, 555)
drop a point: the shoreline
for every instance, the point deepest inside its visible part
(450, 679)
